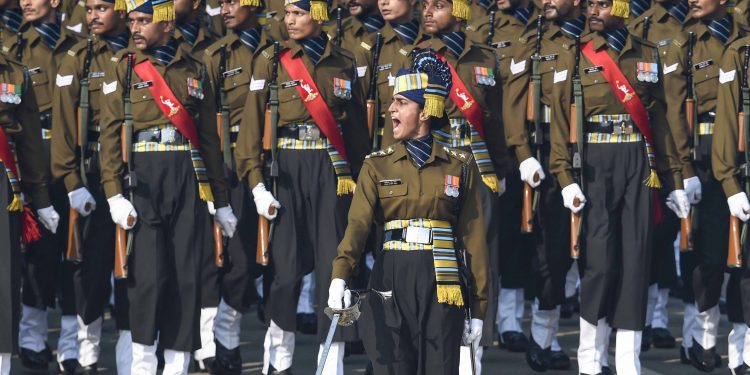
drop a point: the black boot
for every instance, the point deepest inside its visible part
(32, 360)
(273, 371)
(702, 359)
(558, 360)
(536, 357)
(227, 361)
(67, 367)
(513, 341)
(661, 338)
(90, 369)
(646, 339)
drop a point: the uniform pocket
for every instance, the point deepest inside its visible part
(391, 191)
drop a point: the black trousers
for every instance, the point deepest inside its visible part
(308, 228)
(617, 229)
(410, 333)
(515, 256)
(10, 268)
(163, 268)
(663, 266)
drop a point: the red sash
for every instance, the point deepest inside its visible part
(6, 154)
(621, 87)
(167, 102)
(460, 94)
(312, 100)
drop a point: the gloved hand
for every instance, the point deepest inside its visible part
(211, 208)
(472, 331)
(677, 201)
(120, 209)
(49, 218)
(227, 220)
(82, 201)
(570, 193)
(739, 207)
(264, 200)
(528, 169)
(693, 189)
(338, 296)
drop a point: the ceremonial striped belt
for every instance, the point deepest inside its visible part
(706, 123)
(623, 129)
(435, 236)
(93, 143)
(294, 143)
(463, 134)
(234, 133)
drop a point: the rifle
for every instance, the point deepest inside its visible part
(533, 115)
(737, 236)
(338, 26)
(691, 113)
(21, 42)
(576, 141)
(270, 143)
(74, 252)
(123, 241)
(646, 27)
(491, 32)
(222, 127)
(373, 111)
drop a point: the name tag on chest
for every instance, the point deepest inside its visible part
(142, 85)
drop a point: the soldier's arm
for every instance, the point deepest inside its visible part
(65, 130)
(515, 92)
(361, 215)
(560, 161)
(210, 148)
(724, 149)
(249, 140)
(355, 132)
(493, 124)
(29, 148)
(675, 88)
(470, 231)
(667, 160)
(111, 118)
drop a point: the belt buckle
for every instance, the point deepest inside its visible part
(627, 127)
(458, 132)
(308, 133)
(168, 135)
(418, 235)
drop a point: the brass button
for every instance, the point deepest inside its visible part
(421, 193)
(390, 192)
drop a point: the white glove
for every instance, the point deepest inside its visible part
(570, 193)
(472, 331)
(264, 200)
(227, 220)
(693, 189)
(49, 218)
(82, 201)
(120, 208)
(338, 296)
(677, 201)
(739, 207)
(211, 208)
(528, 169)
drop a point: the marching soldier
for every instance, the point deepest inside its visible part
(40, 44)
(20, 138)
(322, 137)
(626, 140)
(83, 70)
(169, 159)
(473, 126)
(417, 269)
(359, 28)
(11, 18)
(229, 62)
(712, 29)
(74, 17)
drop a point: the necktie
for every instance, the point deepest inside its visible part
(118, 42)
(314, 47)
(420, 149)
(407, 31)
(50, 32)
(165, 53)
(250, 38)
(616, 39)
(721, 29)
(455, 42)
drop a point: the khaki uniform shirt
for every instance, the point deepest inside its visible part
(420, 194)
(147, 114)
(350, 114)
(598, 99)
(74, 17)
(21, 124)
(211, 15)
(203, 40)
(662, 27)
(65, 102)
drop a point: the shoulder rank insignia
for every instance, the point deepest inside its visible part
(385, 152)
(71, 53)
(365, 46)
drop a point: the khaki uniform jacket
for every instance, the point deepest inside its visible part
(147, 114)
(662, 27)
(420, 194)
(350, 114)
(725, 159)
(41, 61)
(65, 102)
(211, 15)
(599, 99)
(74, 17)
(482, 56)
(21, 124)
(707, 56)
(353, 34)
(202, 41)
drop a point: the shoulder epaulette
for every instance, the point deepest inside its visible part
(457, 154)
(365, 45)
(381, 153)
(78, 47)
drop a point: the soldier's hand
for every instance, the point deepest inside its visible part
(264, 200)
(678, 202)
(211, 208)
(531, 172)
(693, 189)
(227, 220)
(570, 193)
(472, 331)
(49, 218)
(82, 201)
(338, 296)
(121, 210)
(739, 207)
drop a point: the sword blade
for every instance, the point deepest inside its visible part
(329, 340)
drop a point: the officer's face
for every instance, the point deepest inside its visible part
(707, 9)
(600, 18)
(437, 17)
(560, 9)
(39, 10)
(299, 23)
(397, 11)
(407, 118)
(101, 17)
(362, 7)
(147, 34)
(235, 16)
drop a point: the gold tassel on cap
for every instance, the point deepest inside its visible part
(121, 5)
(163, 11)
(250, 3)
(434, 105)
(319, 10)
(620, 8)
(461, 10)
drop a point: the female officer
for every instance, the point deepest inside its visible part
(427, 198)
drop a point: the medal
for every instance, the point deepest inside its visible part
(484, 76)
(10, 93)
(342, 88)
(451, 186)
(195, 88)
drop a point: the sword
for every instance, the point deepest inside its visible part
(329, 340)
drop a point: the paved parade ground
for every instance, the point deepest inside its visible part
(496, 361)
